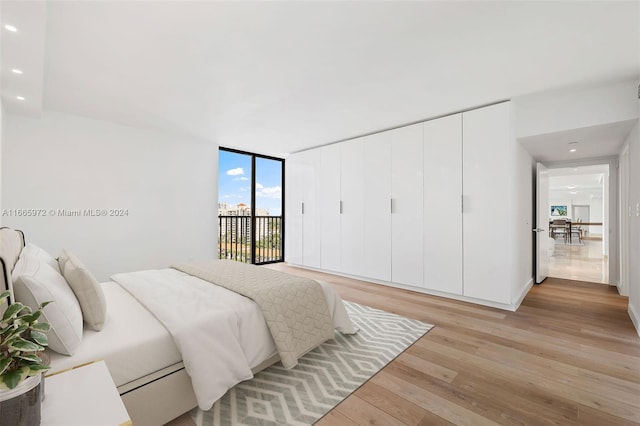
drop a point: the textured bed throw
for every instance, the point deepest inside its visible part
(295, 308)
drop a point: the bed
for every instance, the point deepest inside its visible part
(153, 362)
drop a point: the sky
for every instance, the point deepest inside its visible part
(234, 181)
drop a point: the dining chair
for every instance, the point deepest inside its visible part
(559, 228)
(576, 229)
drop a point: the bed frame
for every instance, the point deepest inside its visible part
(154, 399)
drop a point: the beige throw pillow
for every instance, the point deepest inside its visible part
(35, 282)
(86, 288)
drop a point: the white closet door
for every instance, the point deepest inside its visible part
(377, 213)
(352, 183)
(487, 219)
(407, 205)
(442, 204)
(293, 204)
(329, 207)
(309, 162)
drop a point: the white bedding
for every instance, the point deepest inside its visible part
(129, 329)
(220, 334)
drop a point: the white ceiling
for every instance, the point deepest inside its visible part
(277, 77)
(589, 142)
(578, 182)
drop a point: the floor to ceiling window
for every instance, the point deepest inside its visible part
(250, 207)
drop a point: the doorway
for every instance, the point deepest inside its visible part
(581, 213)
(578, 216)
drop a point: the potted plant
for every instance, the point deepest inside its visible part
(22, 340)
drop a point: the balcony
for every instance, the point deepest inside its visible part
(235, 237)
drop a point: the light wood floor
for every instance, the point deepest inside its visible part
(568, 356)
(583, 262)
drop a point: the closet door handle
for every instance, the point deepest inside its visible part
(340, 207)
(302, 211)
(392, 204)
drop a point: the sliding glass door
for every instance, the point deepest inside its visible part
(250, 207)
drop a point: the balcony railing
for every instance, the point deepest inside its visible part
(235, 238)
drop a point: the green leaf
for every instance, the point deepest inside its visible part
(12, 311)
(4, 364)
(41, 326)
(32, 317)
(16, 330)
(8, 330)
(24, 345)
(43, 304)
(39, 337)
(38, 368)
(5, 294)
(29, 357)
(12, 378)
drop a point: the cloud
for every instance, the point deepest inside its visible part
(240, 178)
(235, 172)
(274, 192)
(259, 185)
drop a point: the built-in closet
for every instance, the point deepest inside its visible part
(423, 206)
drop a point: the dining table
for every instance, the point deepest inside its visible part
(569, 226)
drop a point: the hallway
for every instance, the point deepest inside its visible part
(584, 262)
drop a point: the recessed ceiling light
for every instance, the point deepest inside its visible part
(573, 192)
(20, 98)
(11, 28)
(571, 187)
(16, 71)
(572, 150)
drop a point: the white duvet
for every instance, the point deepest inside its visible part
(221, 335)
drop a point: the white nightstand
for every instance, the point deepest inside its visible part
(85, 395)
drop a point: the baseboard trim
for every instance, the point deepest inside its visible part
(523, 294)
(635, 318)
(504, 306)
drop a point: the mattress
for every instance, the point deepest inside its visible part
(132, 343)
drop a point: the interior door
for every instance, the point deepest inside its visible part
(542, 223)
(581, 213)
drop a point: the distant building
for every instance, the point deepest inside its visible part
(240, 228)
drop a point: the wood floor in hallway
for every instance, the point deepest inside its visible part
(569, 356)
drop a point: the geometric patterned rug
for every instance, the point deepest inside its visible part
(323, 377)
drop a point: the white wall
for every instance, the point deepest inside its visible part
(573, 109)
(633, 142)
(523, 208)
(168, 184)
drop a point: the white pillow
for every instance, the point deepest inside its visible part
(36, 282)
(42, 255)
(87, 290)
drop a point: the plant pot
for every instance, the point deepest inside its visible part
(20, 406)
